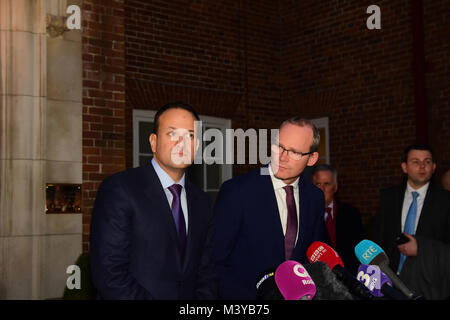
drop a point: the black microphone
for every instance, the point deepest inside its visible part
(319, 251)
(266, 287)
(328, 287)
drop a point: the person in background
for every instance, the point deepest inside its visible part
(342, 220)
(419, 212)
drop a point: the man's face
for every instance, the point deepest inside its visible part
(419, 167)
(325, 181)
(298, 139)
(173, 145)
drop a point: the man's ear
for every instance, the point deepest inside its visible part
(313, 159)
(152, 140)
(405, 170)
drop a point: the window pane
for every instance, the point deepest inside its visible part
(145, 129)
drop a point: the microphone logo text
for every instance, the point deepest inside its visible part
(368, 255)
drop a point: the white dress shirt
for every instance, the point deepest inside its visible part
(166, 182)
(422, 191)
(280, 194)
(331, 206)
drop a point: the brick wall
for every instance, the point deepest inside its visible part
(437, 58)
(361, 79)
(258, 62)
(103, 98)
(200, 51)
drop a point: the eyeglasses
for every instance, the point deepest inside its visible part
(294, 155)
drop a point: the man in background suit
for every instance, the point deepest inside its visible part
(342, 220)
(151, 228)
(265, 219)
(421, 211)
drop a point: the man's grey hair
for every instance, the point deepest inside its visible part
(301, 122)
(325, 167)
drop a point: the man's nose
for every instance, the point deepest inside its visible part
(284, 156)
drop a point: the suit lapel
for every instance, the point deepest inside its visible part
(269, 206)
(304, 207)
(398, 206)
(192, 223)
(427, 209)
(154, 191)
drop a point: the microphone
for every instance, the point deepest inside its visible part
(377, 282)
(266, 288)
(328, 287)
(368, 252)
(294, 282)
(319, 251)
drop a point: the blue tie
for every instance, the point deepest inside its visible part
(178, 216)
(410, 224)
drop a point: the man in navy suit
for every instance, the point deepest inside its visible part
(265, 219)
(151, 228)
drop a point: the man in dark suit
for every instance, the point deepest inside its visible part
(264, 219)
(151, 228)
(421, 211)
(342, 220)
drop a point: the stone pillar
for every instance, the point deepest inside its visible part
(40, 142)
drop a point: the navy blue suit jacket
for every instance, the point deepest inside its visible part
(249, 234)
(133, 245)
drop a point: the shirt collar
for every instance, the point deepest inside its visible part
(165, 179)
(422, 191)
(278, 183)
(331, 205)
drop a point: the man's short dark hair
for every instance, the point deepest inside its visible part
(173, 105)
(416, 146)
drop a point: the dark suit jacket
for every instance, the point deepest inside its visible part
(249, 235)
(433, 229)
(133, 246)
(349, 232)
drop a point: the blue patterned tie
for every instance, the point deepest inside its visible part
(178, 216)
(410, 224)
(292, 225)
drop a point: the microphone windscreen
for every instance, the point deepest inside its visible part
(319, 251)
(328, 287)
(373, 278)
(294, 282)
(367, 250)
(266, 288)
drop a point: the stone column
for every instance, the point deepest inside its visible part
(37, 118)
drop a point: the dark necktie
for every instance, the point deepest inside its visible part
(329, 223)
(292, 225)
(178, 216)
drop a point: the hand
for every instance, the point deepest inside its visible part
(409, 248)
